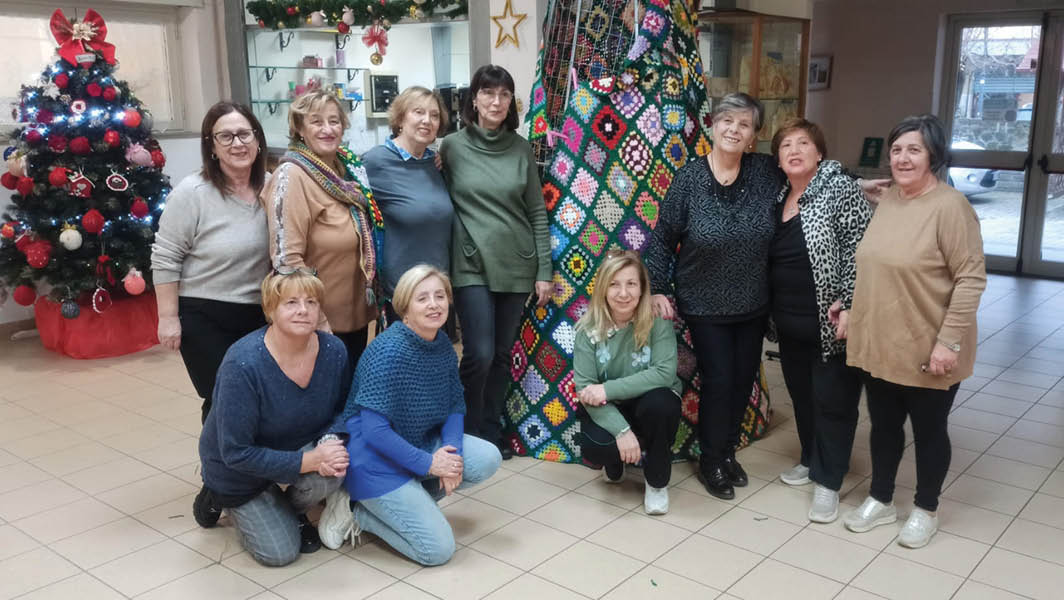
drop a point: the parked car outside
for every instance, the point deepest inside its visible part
(971, 181)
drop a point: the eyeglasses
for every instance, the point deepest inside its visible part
(501, 95)
(226, 138)
(285, 270)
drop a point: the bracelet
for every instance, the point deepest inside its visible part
(623, 431)
(328, 437)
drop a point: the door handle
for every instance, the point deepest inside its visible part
(1044, 163)
(1027, 161)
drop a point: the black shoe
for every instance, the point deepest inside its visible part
(506, 450)
(204, 510)
(734, 471)
(716, 481)
(309, 542)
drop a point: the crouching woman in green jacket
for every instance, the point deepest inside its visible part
(624, 364)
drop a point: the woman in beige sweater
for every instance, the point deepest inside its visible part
(920, 273)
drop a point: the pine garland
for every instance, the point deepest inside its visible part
(282, 14)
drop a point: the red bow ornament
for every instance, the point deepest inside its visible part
(78, 40)
(376, 36)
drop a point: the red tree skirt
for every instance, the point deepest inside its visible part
(130, 325)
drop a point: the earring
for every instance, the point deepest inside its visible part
(475, 108)
(213, 157)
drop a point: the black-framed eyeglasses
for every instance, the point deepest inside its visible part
(285, 270)
(226, 138)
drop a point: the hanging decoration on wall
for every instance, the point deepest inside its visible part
(512, 20)
(286, 14)
(376, 37)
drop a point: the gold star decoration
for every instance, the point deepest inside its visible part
(509, 17)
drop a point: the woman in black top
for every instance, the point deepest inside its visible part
(720, 211)
(821, 218)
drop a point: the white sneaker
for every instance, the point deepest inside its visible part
(918, 529)
(336, 520)
(825, 507)
(796, 475)
(606, 475)
(656, 500)
(872, 513)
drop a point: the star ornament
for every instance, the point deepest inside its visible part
(508, 21)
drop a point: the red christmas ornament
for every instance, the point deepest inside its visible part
(291, 10)
(134, 282)
(80, 145)
(44, 117)
(33, 137)
(24, 295)
(81, 185)
(343, 27)
(262, 23)
(101, 300)
(111, 138)
(38, 254)
(94, 90)
(23, 242)
(139, 209)
(8, 180)
(158, 158)
(7, 230)
(61, 80)
(92, 221)
(131, 118)
(24, 186)
(104, 270)
(110, 93)
(57, 143)
(58, 177)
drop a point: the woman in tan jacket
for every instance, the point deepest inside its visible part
(920, 273)
(321, 215)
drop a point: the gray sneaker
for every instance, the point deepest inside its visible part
(872, 513)
(656, 500)
(825, 507)
(796, 475)
(336, 520)
(918, 529)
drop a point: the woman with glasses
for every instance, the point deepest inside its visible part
(320, 214)
(275, 421)
(624, 372)
(210, 252)
(500, 247)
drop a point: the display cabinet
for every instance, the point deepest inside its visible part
(765, 56)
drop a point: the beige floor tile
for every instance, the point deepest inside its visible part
(751, 530)
(654, 582)
(987, 494)
(899, 579)
(143, 438)
(82, 587)
(1009, 472)
(1045, 414)
(568, 476)
(81, 410)
(170, 519)
(1034, 431)
(588, 568)
(6, 458)
(20, 474)
(531, 587)
(693, 511)
(215, 582)
(149, 568)
(518, 464)
(639, 536)
(973, 590)
(45, 443)
(825, 555)
(1020, 574)
(852, 593)
(14, 542)
(971, 439)
(108, 476)
(169, 408)
(576, 514)
(382, 557)
(146, 493)
(783, 502)
(692, 484)
(969, 521)
(172, 455)
(107, 542)
(398, 591)
(763, 464)
(355, 579)
(946, 552)
(1046, 509)
(16, 429)
(708, 561)
(188, 422)
(31, 570)
(981, 420)
(472, 519)
(469, 574)
(1028, 452)
(997, 404)
(99, 429)
(12, 412)
(1034, 540)
(628, 494)
(76, 458)
(518, 494)
(217, 543)
(772, 580)
(189, 473)
(36, 498)
(65, 521)
(1054, 485)
(1018, 391)
(1030, 378)
(524, 543)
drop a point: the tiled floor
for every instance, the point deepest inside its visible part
(98, 470)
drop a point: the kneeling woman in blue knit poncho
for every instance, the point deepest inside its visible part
(405, 415)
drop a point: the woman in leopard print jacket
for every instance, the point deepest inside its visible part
(821, 216)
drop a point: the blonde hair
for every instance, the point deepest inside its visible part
(404, 290)
(312, 101)
(597, 320)
(275, 287)
(405, 101)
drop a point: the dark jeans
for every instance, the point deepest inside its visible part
(825, 395)
(654, 417)
(355, 342)
(489, 323)
(928, 410)
(208, 328)
(728, 355)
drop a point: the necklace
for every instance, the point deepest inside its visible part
(719, 174)
(789, 213)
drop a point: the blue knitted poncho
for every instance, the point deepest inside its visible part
(411, 381)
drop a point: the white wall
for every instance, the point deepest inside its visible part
(519, 61)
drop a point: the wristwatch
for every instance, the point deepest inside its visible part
(954, 347)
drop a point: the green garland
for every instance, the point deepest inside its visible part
(281, 14)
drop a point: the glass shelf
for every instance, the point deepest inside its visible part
(271, 70)
(273, 105)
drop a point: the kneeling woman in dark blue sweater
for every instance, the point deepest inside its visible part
(405, 415)
(276, 402)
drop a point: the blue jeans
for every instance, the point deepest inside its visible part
(408, 519)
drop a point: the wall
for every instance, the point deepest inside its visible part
(886, 63)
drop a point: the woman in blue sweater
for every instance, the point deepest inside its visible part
(405, 416)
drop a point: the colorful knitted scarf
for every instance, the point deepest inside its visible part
(354, 191)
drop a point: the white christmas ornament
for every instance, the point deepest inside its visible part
(70, 239)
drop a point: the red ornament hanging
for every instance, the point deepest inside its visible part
(101, 300)
(343, 27)
(80, 145)
(57, 143)
(61, 80)
(131, 118)
(158, 159)
(24, 186)
(104, 269)
(7, 230)
(134, 282)
(8, 180)
(23, 241)
(44, 117)
(116, 182)
(110, 93)
(376, 36)
(59, 177)
(33, 137)
(24, 295)
(80, 185)
(92, 221)
(93, 89)
(291, 10)
(111, 138)
(139, 209)
(38, 254)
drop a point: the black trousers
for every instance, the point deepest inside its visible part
(728, 355)
(825, 395)
(208, 328)
(654, 417)
(355, 342)
(928, 409)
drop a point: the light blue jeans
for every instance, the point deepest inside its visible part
(408, 519)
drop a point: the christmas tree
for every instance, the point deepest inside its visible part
(87, 179)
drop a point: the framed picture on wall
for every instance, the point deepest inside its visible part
(819, 72)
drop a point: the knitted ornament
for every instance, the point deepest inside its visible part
(139, 209)
(44, 117)
(38, 254)
(131, 118)
(70, 238)
(8, 180)
(158, 159)
(7, 230)
(23, 241)
(16, 164)
(134, 282)
(80, 185)
(33, 137)
(93, 221)
(57, 143)
(80, 145)
(61, 80)
(111, 138)
(110, 93)
(317, 18)
(24, 186)
(78, 106)
(70, 309)
(24, 295)
(59, 177)
(116, 182)
(138, 155)
(101, 300)
(94, 90)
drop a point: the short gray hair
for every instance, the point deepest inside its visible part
(738, 101)
(930, 128)
(404, 288)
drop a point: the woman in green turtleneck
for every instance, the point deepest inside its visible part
(500, 250)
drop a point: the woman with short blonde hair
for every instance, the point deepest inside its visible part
(404, 291)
